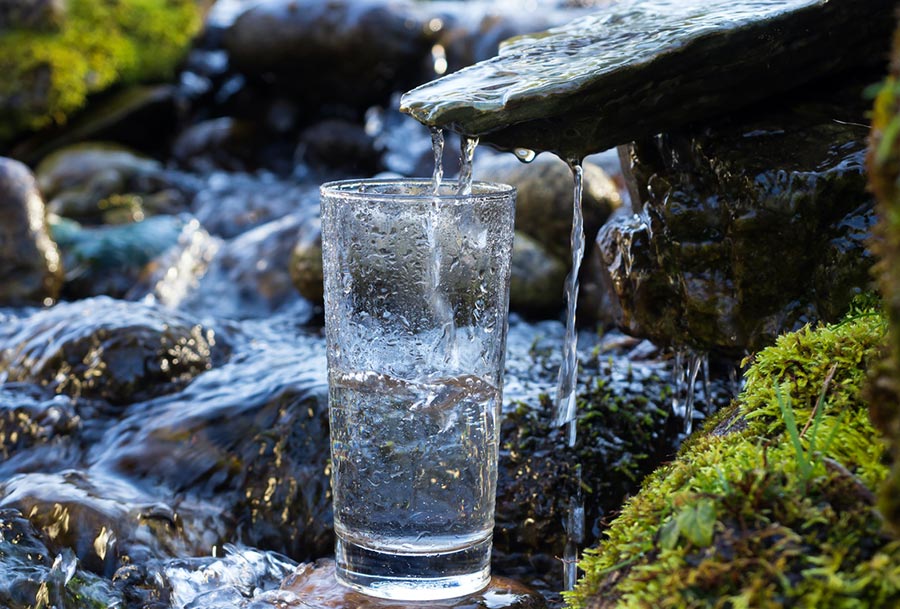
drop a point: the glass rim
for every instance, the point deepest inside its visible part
(358, 189)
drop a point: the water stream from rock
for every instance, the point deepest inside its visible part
(565, 404)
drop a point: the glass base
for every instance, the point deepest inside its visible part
(413, 577)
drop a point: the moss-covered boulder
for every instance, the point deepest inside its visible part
(772, 505)
(745, 228)
(48, 74)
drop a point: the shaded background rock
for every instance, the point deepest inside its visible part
(536, 278)
(744, 228)
(30, 265)
(371, 48)
(544, 197)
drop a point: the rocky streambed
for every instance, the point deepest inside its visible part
(163, 399)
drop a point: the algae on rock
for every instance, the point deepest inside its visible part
(771, 506)
(49, 74)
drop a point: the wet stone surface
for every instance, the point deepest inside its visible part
(746, 227)
(601, 81)
(315, 587)
(30, 263)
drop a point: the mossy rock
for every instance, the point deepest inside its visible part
(756, 512)
(884, 180)
(49, 74)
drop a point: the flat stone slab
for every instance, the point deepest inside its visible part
(317, 588)
(640, 67)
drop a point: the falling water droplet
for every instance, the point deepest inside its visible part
(565, 391)
(574, 534)
(524, 154)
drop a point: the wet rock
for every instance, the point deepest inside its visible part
(231, 204)
(32, 416)
(536, 278)
(371, 48)
(111, 259)
(217, 144)
(250, 275)
(315, 586)
(49, 77)
(29, 571)
(306, 262)
(119, 351)
(601, 80)
(338, 147)
(624, 430)
(41, 15)
(97, 182)
(106, 521)
(142, 117)
(747, 227)
(30, 265)
(544, 197)
(251, 437)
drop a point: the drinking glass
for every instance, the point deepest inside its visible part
(416, 312)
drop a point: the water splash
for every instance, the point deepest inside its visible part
(565, 391)
(687, 366)
(466, 156)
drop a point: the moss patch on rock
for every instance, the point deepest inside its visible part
(49, 74)
(771, 505)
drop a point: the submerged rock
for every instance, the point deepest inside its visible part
(107, 521)
(119, 351)
(744, 228)
(772, 504)
(30, 265)
(250, 437)
(637, 68)
(111, 259)
(250, 275)
(370, 47)
(30, 571)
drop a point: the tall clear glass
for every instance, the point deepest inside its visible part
(416, 310)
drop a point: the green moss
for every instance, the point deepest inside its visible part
(735, 522)
(48, 75)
